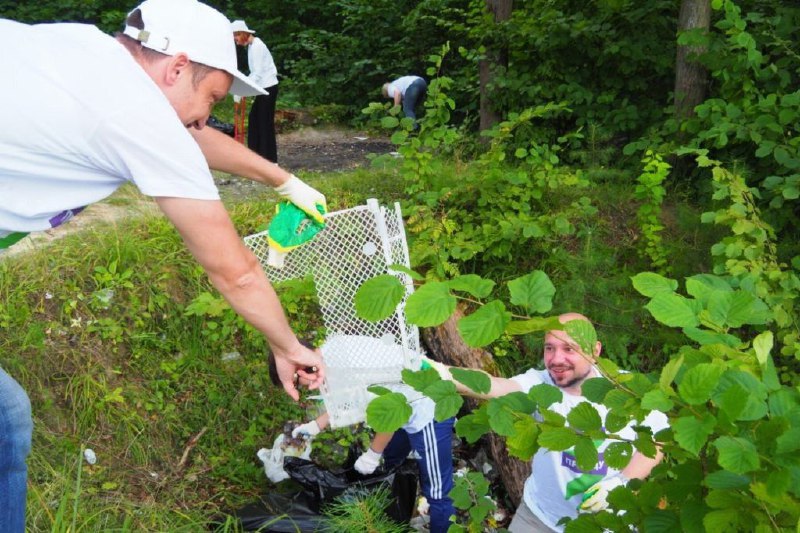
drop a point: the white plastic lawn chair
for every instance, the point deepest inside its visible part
(356, 244)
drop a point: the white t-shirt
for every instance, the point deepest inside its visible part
(263, 71)
(80, 118)
(556, 485)
(400, 85)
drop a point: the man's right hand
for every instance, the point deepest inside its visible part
(302, 367)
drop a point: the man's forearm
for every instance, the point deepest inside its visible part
(498, 386)
(640, 465)
(227, 155)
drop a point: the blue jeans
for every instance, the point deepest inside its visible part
(433, 444)
(16, 428)
(414, 94)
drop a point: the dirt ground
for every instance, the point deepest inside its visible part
(304, 150)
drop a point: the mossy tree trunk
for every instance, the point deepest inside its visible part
(446, 345)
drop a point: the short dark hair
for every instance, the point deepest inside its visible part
(199, 71)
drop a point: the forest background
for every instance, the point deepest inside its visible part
(574, 146)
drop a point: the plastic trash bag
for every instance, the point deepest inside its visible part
(301, 511)
(217, 124)
(273, 460)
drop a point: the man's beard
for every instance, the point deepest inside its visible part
(571, 383)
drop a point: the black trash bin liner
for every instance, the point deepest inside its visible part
(217, 124)
(300, 511)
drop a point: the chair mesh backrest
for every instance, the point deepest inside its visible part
(356, 244)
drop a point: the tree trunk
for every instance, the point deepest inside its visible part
(691, 78)
(496, 56)
(445, 344)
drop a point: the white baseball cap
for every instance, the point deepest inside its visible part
(240, 25)
(199, 31)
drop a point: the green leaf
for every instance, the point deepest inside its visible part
(595, 389)
(522, 327)
(377, 390)
(741, 395)
(657, 400)
(649, 284)
(472, 284)
(430, 305)
(378, 297)
(692, 433)
(669, 372)
(702, 286)
(399, 137)
(673, 310)
(388, 413)
(721, 520)
(397, 267)
(448, 401)
(557, 439)
(584, 334)
(389, 122)
(484, 325)
(506, 410)
(533, 291)
(522, 442)
(586, 454)
(762, 346)
(724, 480)
(545, 395)
(737, 455)
(474, 380)
(584, 417)
(618, 454)
(473, 426)
(705, 337)
(421, 379)
(699, 382)
(616, 421)
(661, 522)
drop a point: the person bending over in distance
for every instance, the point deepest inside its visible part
(557, 488)
(107, 111)
(407, 91)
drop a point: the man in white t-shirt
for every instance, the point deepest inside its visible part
(408, 91)
(263, 73)
(91, 112)
(557, 488)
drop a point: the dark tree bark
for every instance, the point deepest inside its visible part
(445, 344)
(691, 78)
(496, 57)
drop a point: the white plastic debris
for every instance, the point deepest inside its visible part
(90, 456)
(273, 459)
(423, 506)
(231, 356)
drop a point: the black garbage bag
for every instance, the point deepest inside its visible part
(323, 486)
(217, 124)
(300, 511)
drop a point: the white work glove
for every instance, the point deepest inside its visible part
(598, 501)
(303, 196)
(309, 429)
(368, 462)
(442, 369)
(236, 98)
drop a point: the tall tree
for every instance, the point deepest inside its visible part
(691, 77)
(496, 58)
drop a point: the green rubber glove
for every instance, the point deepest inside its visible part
(291, 227)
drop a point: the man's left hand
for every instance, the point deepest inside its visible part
(598, 501)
